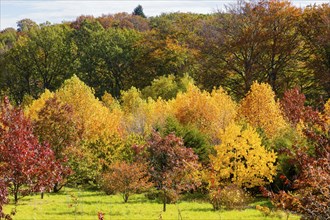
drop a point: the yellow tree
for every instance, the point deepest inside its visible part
(98, 121)
(261, 110)
(241, 159)
(35, 107)
(208, 112)
(140, 115)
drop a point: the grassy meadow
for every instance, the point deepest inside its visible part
(85, 204)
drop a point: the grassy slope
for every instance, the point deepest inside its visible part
(78, 204)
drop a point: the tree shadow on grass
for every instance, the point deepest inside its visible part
(108, 201)
(200, 209)
(90, 194)
(72, 213)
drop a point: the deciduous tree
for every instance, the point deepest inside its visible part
(3, 196)
(241, 158)
(172, 166)
(57, 126)
(97, 120)
(41, 59)
(26, 165)
(253, 41)
(261, 110)
(126, 179)
(314, 28)
(208, 112)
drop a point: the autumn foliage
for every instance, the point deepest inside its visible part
(126, 179)
(3, 197)
(222, 103)
(172, 167)
(241, 159)
(261, 110)
(26, 165)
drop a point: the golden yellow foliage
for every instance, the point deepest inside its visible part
(98, 121)
(140, 115)
(241, 159)
(110, 102)
(208, 112)
(261, 110)
(33, 109)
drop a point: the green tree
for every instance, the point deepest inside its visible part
(314, 28)
(7, 39)
(167, 87)
(139, 11)
(107, 57)
(192, 138)
(25, 25)
(40, 60)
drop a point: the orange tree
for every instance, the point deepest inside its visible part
(125, 178)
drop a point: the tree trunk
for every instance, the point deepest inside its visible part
(16, 197)
(57, 187)
(125, 197)
(42, 195)
(164, 200)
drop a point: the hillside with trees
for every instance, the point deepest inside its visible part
(229, 103)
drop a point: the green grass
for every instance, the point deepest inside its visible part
(83, 204)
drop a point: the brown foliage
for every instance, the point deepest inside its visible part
(126, 179)
(172, 166)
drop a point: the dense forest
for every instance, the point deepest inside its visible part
(271, 42)
(179, 102)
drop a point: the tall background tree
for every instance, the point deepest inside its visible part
(41, 59)
(139, 11)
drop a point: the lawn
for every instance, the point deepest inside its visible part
(85, 204)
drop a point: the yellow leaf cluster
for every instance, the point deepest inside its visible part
(208, 112)
(241, 159)
(140, 115)
(98, 121)
(260, 109)
(33, 109)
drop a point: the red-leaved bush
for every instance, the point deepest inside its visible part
(172, 166)
(293, 106)
(311, 195)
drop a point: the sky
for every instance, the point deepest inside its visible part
(57, 11)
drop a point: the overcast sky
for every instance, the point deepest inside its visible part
(57, 11)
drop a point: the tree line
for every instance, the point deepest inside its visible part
(269, 41)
